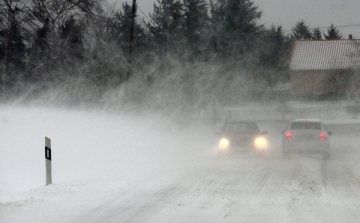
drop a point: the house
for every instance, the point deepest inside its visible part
(317, 67)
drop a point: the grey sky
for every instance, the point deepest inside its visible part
(316, 13)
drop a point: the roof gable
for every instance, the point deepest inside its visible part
(325, 55)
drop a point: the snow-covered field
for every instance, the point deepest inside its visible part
(128, 168)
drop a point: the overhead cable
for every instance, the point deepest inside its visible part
(343, 26)
(145, 15)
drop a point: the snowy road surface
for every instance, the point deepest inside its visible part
(243, 190)
(175, 179)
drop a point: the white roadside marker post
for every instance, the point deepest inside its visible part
(48, 161)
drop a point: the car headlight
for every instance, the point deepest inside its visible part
(260, 142)
(224, 143)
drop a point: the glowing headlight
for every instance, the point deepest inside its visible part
(260, 142)
(224, 143)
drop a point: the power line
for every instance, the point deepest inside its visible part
(145, 15)
(343, 26)
(346, 26)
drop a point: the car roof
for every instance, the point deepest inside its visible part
(234, 122)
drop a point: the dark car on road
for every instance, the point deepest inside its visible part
(306, 136)
(241, 137)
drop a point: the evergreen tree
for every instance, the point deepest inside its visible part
(274, 57)
(41, 44)
(234, 26)
(196, 23)
(301, 31)
(166, 25)
(39, 55)
(333, 33)
(72, 38)
(12, 41)
(17, 49)
(119, 29)
(316, 34)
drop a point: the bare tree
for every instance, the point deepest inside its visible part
(53, 13)
(309, 85)
(13, 14)
(337, 83)
(54, 18)
(340, 79)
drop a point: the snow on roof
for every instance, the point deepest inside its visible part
(306, 120)
(325, 54)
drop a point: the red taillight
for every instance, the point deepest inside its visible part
(288, 135)
(322, 136)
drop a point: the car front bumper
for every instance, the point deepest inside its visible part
(232, 150)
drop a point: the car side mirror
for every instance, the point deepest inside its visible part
(264, 133)
(330, 133)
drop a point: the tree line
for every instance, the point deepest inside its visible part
(191, 48)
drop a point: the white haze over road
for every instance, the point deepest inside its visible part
(131, 168)
(287, 13)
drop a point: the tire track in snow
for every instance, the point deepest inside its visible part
(166, 196)
(262, 180)
(260, 184)
(106, 205)
(142, 204)
(154, 203)
(325, 178)
(137, 205)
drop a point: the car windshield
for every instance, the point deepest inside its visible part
(241, 127)
(305, 126)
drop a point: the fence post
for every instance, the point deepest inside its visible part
(48, 161)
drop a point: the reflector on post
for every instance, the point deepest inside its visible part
(48, 160)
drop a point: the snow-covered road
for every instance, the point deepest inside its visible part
(169, 176)
(243, 190)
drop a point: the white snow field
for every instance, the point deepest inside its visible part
(128, 168)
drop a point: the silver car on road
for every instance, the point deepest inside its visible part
(306, 136)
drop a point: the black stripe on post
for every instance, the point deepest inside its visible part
(48, 153)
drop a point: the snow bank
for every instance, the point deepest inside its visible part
(91, 147)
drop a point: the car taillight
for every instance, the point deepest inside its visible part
(288, 135)
(322, 137)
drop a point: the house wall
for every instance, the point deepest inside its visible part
(308, 83)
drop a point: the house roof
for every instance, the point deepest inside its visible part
(325, 54)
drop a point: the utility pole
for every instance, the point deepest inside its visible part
(133, 14)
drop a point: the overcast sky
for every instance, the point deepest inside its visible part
(316, 13)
